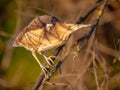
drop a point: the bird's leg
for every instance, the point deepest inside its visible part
(49, 59)
(44, 69)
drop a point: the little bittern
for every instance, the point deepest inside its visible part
(43, 33)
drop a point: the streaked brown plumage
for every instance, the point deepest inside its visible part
(41, 35)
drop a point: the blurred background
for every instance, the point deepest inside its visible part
(18, 68)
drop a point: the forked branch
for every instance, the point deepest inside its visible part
(103, 3)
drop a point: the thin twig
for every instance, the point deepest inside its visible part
(83, 18)
(94, 68)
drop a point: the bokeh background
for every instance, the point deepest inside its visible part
(20, 71)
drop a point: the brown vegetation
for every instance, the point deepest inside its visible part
(94, 66)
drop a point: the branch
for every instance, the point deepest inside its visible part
(42, 78)
(94, 26)
(83, 18)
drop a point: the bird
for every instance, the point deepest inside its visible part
(43, 33)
